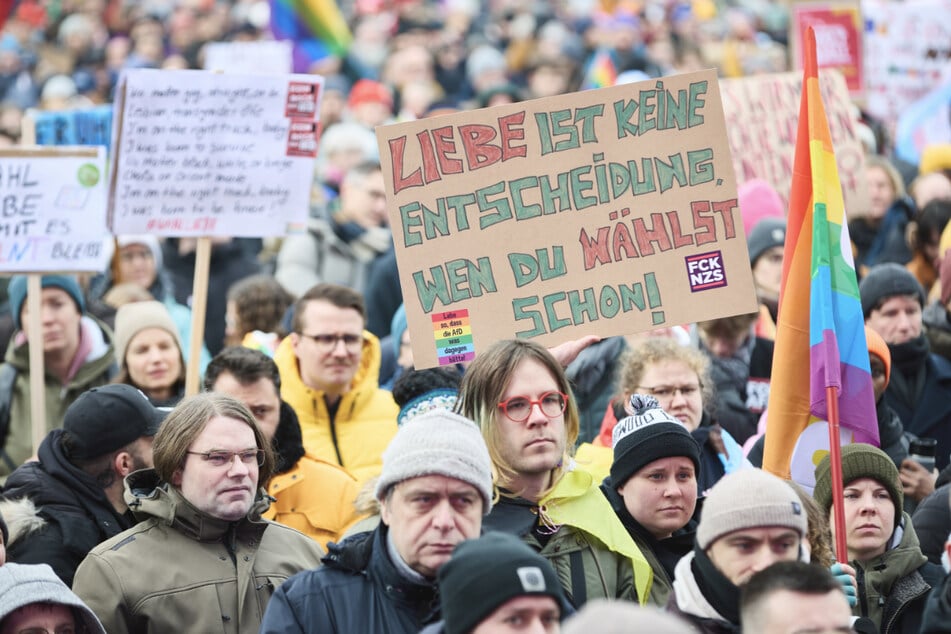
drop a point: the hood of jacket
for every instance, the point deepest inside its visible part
(149, 497)
(55, 485)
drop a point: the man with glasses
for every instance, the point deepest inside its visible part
(329, 375)
(518, 393)
(201, 559)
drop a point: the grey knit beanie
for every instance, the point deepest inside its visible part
(749, 498)
(438, 442)
(24, 584)
(131, 319)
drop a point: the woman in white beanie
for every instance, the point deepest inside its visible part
(149, 352)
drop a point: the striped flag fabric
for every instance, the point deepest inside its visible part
(820, 338)
(601, 71)
(317, 29)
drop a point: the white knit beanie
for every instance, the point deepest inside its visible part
(438, 443)
(749, 498)
(133, 318)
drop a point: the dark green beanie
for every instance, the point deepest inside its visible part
(860, 461)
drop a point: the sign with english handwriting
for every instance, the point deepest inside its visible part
(52, 209)
(603, 212)
(207, 154)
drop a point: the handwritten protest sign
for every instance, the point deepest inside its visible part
(92, 126)
(762, 115)
(907, 53)
(602, 212)
(53, 203)
(206, 154)
(838, 28)
(267, 57)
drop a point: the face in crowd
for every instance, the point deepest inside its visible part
(220, 473)
(897, 319)
(154, 362)
(741, 554)
(662, 496)
(869, 518)
(427, 516)
(677, 388)
(329, 346)
(59, 317)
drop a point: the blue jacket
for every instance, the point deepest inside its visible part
(930, 416)
(358, 589)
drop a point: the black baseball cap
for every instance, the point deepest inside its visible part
(108, 418)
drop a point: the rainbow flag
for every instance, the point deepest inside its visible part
(316, 27)
(601, 71)
(820, 335)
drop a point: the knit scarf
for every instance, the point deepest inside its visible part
(719, 591)
(908, 368)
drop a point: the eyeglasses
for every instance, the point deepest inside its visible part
(326, 343)
(670, 391)
(519, 408)
(226, 458)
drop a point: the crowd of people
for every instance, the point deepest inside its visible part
(320, 482)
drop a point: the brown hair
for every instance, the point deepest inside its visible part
(186, 422)
(483, 385)
(818, 533)
(260, 302)
(339, 296)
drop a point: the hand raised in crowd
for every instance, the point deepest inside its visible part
(916, 481)
(567, 352)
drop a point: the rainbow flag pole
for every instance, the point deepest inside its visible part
(821, 358)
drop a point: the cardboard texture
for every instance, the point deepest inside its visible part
(762, 116)
(54, 209)
(603, 212)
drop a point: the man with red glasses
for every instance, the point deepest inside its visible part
(518, 394)
(201, 559)
(330, 369)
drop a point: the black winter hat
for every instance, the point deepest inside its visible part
(888, 280)
(484, 573)
(768, 233)
(648, 435)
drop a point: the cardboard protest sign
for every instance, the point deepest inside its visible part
(92, 126)
(907, 54)
(206, 154)
(54, 209)
(838, 28)
(762, 115)
(602, 212)
(265, 57)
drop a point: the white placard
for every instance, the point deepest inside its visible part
(266, 57)
(207, 154)
(53, 203)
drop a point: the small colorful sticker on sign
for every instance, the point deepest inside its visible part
(302, 139)
(301, 100)
(453, 335)
(705, 271)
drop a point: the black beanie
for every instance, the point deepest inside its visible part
(484, 573)
(888, 280)
(6, 533)
(648, 435)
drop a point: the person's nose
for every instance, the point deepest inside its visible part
(237, 468)
(443, 516)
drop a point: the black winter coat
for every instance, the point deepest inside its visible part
(77, 512)
(932, 522)
(937, 616)
(358, 589)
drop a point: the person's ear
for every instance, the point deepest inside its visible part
(123, 463)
